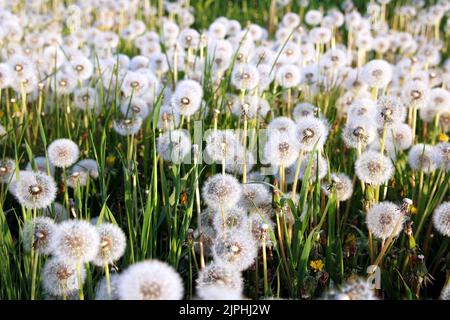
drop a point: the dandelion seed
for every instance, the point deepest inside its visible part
(150, 280)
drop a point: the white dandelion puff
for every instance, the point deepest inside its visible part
(38, 235)
(63, 153)
(112, 244)
(76, 241)
(150, 280)
(35, 190)
(236, 250)
(374, 168)
(340, 185)
(441, 218)
(174, 146)
(60, 277)
(221, 191)
(424, 157)
(101, 290)
(384, 220)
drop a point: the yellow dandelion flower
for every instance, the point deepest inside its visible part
(317, 265)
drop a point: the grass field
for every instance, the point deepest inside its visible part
(331, 181)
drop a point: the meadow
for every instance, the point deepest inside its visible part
(255, 149)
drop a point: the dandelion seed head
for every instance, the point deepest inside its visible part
(150, 280)
(389, 111)
(281, 150)
(359, 131)
(281, 125)
(187, 97)
(112, 244)
(288, 76)
(415, 94)
(340, 184)
(377, 73)
(319, 167)
(248, 107)
(35, 190)
(101, 290)
(304, 109)
(217, 292)
(445, 293)
(221, 144)
(63, 153)
(374, 168)
(7, 169)
(38, 235)
(220, 275)
(60, 277)
(236, 250)
(137, 107)
(87, 165)
(261, 227)
(174, 146)
(385, 220)
(424, 157)
(221, 191)
(311, 132)
(76, 241)
(41, 165)
(127, 127)
(441, 218)
(355, 289)
(235, 219)
(245, 77)
(255, 195)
